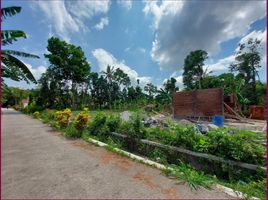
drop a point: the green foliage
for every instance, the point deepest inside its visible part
(126, 128)
(247, 63)
(71, 131)
(252, 189)
(13, 95)
(33, 108)
(63, 117)
(240, 146)
(9, 11)
(68, 65)
(98, 125)
(113, 122)
(138, 128)
(12, 67)
(193, 69)
(81, 120)
(185, 173)
(158, 155)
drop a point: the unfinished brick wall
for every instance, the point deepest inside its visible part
(198, 103)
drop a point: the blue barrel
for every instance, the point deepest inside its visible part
(218, 120)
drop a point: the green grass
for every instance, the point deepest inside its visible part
(251, 189)
(186, 174)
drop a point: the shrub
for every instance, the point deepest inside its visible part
(63, 117)
(81, 120)
(139, 131)
(71, 131)
(239, 146)
(48, 115)
(33, 108)
(186, 137)
(96, 126)
(36, 114)
(113, 123)
(126, 128)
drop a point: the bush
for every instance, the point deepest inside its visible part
(126, 128)
(113, 123)
(186, 137)
(50, 114)
(97, 124)
(139, 130)
(81, 120)
(239, 146)
(71, 131)
(33, 108)
(134, 128)
(63, 117)
(36, 114)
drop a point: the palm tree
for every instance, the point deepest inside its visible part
(12, 67)
(109, 75)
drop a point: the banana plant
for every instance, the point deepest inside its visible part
(12, 67)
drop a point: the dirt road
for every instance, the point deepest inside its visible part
(40, 163)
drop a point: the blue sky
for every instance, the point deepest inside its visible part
(147, 39)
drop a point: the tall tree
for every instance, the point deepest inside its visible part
(151, 89)
(247, 62)
(69, 68)
(165, 95)
(193, 69)
(12, 67)
(170, 86)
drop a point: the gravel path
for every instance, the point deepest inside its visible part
(38, 162)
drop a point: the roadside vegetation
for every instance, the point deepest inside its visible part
(240, 146)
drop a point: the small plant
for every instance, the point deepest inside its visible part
(72, 132)
(81, 120)
(136, 129)
(187, 174)
(33, 108)
(113, 123)
(63, 117)
(36, 114)
(97, 126)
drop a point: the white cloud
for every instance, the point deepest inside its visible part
(127, 4)
(178, 78)
(36, 71)
(103, 22)
(166, 8)
(184, 26)
(105, 58)
(260, 35)
(142, 50)
(224, 63)
(66, 17)
(88, 9)
(127, 49)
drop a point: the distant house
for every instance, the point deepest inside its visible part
(25, 102)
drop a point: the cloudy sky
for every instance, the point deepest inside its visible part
(147, 39)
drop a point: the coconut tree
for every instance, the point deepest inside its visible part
(109, 75)
(12, 67)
